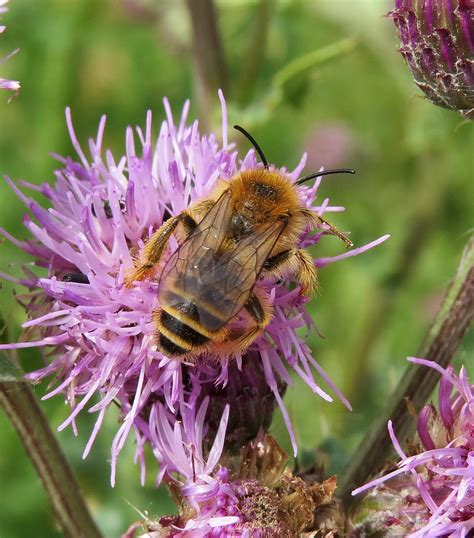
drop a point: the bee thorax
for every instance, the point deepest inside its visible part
(240, 226)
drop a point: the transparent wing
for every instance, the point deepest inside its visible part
(210, 283)
(208, 235)
(229, 280)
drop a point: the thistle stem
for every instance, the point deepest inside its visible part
(19, 403)
(303, 64)
(440, 345)
(255, 50)
(208, 53)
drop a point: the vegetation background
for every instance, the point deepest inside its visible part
(353, 104)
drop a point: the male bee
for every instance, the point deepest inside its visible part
(248, 228)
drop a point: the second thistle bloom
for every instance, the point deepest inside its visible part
(251, 494)
(431, 493)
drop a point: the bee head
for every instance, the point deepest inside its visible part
(261, 196)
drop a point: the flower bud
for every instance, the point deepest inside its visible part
(437, 42)
(394, 508)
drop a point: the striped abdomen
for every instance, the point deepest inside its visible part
(186, 324)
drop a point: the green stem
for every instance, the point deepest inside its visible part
(255, 50)
(208, 54)
(260, 111)
(308, 61)
(440, 345)
(64, 493)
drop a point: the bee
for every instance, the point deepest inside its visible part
(247, 229)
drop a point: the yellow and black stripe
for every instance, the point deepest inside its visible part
(179, 326)
(177, 337)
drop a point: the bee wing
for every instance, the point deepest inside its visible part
(183, 277)
(213, 287)
(229, 281)
(211, 284)
(208, 235)
(212, 229)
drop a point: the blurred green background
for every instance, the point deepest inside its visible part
(360, 109)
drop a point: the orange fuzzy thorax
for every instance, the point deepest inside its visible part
(262, 197)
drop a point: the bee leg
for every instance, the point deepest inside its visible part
(295, 262)
(275, 264)
(261, 312)
(200, 209)
(155, 246)
(305, 274)
(315, 221)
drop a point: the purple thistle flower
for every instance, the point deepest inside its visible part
(438, 46)
(252, 494)
(5, 84)
(98, 332)
(442, 476)
(180, 447)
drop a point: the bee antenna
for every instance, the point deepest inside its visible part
(325, 173)
(254, 144)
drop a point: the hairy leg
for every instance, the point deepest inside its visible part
(315, 221)
(154, 247)
(296, 262)
(261, 312)
(198, 210)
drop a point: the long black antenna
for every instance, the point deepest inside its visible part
(254, 143)
(325, 173)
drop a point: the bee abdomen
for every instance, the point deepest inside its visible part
(205, 318)
(181, 329)
(176, 337)
(169, 348)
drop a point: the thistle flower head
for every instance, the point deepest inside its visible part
(438, 45)
(98, 332)
(219, 494)
(6, 84)
(436, 497)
